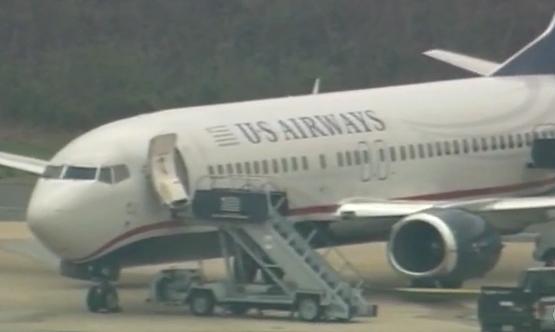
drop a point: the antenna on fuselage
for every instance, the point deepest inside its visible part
(316, 87)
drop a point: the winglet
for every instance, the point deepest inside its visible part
(536, 58)
(475, 65)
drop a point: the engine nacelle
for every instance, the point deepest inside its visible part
(448, 244)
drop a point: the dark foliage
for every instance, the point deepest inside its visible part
(78, 63)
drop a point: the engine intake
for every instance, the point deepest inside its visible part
(444, 244)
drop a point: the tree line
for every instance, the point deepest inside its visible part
(80, 63)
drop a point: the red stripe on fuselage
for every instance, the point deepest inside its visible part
(323, 209)
(483, 191)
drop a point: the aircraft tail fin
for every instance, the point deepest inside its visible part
(536, 58)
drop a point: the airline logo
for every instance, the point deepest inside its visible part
(223, 136)
(304, 127)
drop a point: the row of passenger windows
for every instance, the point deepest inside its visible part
(444, 148)
(113, 174)
(261, 167)
(392, 154)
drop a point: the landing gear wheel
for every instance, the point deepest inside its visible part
(238, 309)
(103, 298)
(308, 308)
(202, 303)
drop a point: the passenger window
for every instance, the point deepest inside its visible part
(239, 168)
(229, 168)
(121, 173)
(248, 168)
(421, 151)
(366, 156)
(511, 142)
(256, 167)
(53, 172)
(275, 166)
(439, 151)
(220, 169)
(294, 164)
(494, 143)
(357, 157)
(265, 167)
(430, 150)
(447, 146)
(339, 159)
(382, 155)
(304, 161)
(284, 165)
(502, 143)
(466, 146)
(80, 173)
(475, 145)
(403, 153)
(349, 158)
(519, 140)
(105, 175)
(323, 163)
(456, 147)
(484, 144)
(393, 154)
(412, 152)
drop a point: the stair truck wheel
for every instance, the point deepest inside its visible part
(308, 308)
(202, 303)
(238, 309)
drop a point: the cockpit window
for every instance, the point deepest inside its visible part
(80, 173)
(53, 172)
(121, 173)
(105, 175)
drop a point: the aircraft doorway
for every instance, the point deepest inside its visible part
(168, 171)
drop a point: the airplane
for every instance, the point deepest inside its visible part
(438, 170)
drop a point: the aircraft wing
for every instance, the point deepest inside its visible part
(26, 164)
(508, 215)
(472, 64)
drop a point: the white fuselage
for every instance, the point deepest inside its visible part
(435, 141)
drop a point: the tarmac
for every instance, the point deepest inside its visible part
(33, 297)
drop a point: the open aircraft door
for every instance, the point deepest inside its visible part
(168, 171)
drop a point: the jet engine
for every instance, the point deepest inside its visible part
(445, 245)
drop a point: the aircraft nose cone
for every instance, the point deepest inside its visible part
(44, 221)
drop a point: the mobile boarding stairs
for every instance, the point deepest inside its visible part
(297, 278)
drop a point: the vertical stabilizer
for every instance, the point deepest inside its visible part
(537, 58)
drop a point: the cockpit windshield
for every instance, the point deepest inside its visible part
(53, 172)
(110, 175)
(80, 173)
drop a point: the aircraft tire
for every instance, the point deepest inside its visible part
(309, 309)
(202, 303)
(103, 298)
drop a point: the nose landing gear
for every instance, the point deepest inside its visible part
(103, 298)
